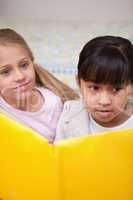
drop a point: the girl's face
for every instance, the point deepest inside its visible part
(17, 73)
(106, 103)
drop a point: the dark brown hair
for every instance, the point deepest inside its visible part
(107, 60)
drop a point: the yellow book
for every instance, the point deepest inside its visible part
(89, 168)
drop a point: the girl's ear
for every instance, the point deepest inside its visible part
(130, 91)
(77, 80)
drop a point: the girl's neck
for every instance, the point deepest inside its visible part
(30, 102)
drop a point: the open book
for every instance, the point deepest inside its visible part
(89, 168)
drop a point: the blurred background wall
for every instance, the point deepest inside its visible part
(56, 30)
(104, 10)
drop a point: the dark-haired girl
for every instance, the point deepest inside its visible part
(105, 79)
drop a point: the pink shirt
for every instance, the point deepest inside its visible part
(43, 121)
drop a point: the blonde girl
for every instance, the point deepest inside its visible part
(28, 92)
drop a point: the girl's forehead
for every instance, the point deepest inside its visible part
(11, 53)
(12, 47)
(107, 85)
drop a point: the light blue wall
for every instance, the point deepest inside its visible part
(56, 30)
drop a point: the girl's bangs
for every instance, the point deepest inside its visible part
(106, 69)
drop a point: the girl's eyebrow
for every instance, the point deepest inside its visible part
(23, 59)
(4, 67)
(8, 65)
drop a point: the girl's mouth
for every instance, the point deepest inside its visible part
(22, 86)
(104, 113)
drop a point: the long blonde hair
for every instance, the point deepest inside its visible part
(43, 77)
(46, 79)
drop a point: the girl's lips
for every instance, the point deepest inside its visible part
(104, 110)
(22, 85)
(104, 113)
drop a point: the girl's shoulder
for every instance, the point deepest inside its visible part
(48, 94)
(51, 100)
(45, 91)
(73, 105)
(73, 121)
(73, 110)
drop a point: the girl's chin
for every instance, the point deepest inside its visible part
(22, 91)
(103, 118)
(104, 115)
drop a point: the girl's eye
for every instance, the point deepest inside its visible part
(117, 89)
(93, 87)
(5, 72)
(24, 65)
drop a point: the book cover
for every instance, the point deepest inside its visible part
(92, 167)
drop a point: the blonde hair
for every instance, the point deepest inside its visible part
(43, 77)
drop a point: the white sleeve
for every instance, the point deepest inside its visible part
(61, 130)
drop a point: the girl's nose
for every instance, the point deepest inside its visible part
(19, 76)
(104, 98)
